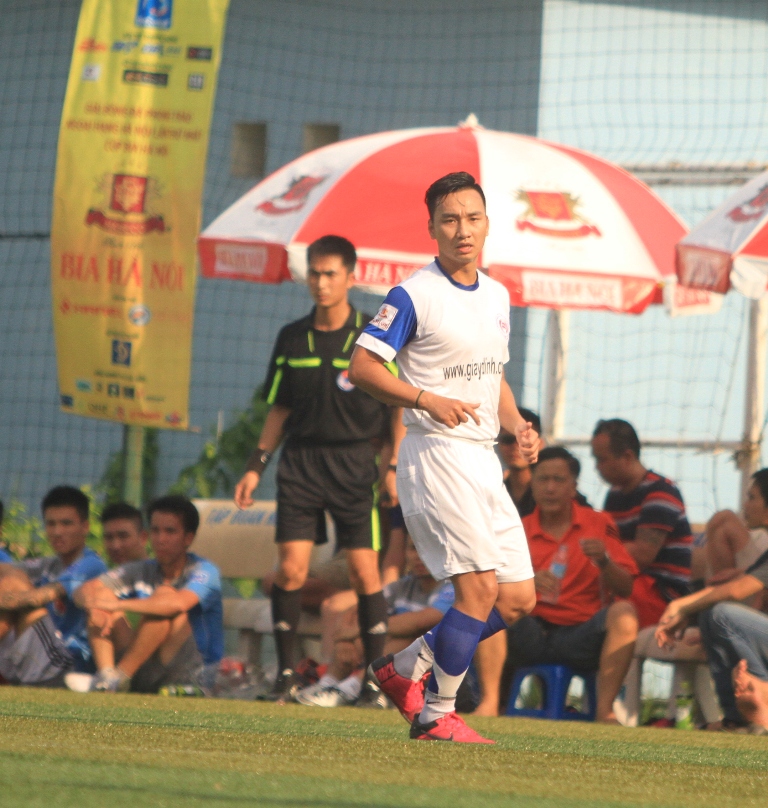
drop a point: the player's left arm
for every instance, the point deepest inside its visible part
(165, 601)
(512, 421)
(31, 599)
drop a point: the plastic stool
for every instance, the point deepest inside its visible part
(556, 680)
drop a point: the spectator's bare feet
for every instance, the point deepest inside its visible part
(610, 718)
(751, 695)
(487, 707)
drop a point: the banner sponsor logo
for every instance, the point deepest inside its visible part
(128, 196)
(91, 72)
(154, 14)
(553, 213)
(201, 54)
(139, 315)
(293, 198)
(90, 45)
(195, 81)
(240, 260)
(145, 77)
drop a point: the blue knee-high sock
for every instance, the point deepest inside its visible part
(493, 625)
(455, 642)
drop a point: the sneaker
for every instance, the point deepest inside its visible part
(448, 728)
(285, 688)
(405, 694)
(110, 680)
(78, 682)
(318, 695)
(372, 697)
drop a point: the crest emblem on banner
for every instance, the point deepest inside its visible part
(752, 209)
(126, 212)
(553, 213)
(293, 199)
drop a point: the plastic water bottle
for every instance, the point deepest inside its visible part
(181, 690)
(684, 707)
(557, 567)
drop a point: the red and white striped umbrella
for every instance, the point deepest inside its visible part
(568, 230)
(730, 247)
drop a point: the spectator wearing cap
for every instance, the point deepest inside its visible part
(648, 510)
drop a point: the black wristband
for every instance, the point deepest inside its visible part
(416, 403)
(258, 460)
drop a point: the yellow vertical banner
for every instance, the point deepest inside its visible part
(127, 206)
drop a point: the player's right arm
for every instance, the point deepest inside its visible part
(270, 438)
(367, 371)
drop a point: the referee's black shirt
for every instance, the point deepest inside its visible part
(308, 374)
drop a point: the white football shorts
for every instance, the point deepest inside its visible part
(457, 510)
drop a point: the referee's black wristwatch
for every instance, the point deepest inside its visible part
(258, 460)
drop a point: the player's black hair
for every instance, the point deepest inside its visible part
(450, 184)
(123, 510)
(760, 479)
(531, 417)
(333, 245)
(179, 505)
(560, 453)
(67, 495)
(621, 436)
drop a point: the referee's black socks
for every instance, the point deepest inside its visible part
(372, 617)
(286, 609)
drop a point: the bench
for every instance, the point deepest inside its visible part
(242, 545)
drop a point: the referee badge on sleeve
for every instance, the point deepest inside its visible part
(343, 382)
(385, 316)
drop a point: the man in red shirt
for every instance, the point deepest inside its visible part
(580, 567)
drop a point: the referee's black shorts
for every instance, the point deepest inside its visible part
(340, 479)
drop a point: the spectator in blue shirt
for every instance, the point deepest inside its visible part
(5, 558)
(56, 578)
(178, 595)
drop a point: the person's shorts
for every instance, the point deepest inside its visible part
(754, 548)
(153, 675)
(533, 641)
(339, 479)
(457, 510)
(36, 657)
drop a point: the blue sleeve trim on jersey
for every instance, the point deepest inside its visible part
(400, 328)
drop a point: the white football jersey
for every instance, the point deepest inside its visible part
(449, 339)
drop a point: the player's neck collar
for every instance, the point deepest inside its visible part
(470, 288)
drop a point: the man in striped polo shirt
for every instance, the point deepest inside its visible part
(649, 512)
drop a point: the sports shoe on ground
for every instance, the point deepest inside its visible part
(448, 728)
(372, 697)
(318, 695)
(110, 680)
(78, 682)
(285, 688)
(405, 694)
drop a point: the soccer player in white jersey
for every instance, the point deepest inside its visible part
(448, 325)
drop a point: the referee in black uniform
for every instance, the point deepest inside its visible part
(328, 461)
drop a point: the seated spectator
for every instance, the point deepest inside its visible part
(574, 621)
(517, 472)
(125, 538)
(5, 557)
(736, 641)
(31, 650)
(649, 512)
(178, 595)
(415, 603)
(734, 543)
(56, 578)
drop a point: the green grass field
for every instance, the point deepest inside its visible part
(61, 749)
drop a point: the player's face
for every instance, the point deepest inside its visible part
(168, 538)
(552, 484)
(329, 281)
(65, 530)
(123, 541)
(755, 508)
(459, 226)
(610, 466)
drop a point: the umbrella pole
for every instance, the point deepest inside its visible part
(133, 458)
(553, 419)
(754, 400)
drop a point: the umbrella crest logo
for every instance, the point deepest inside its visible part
(293, 199)
(553, 213)
(751, 209)
(127, 196)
